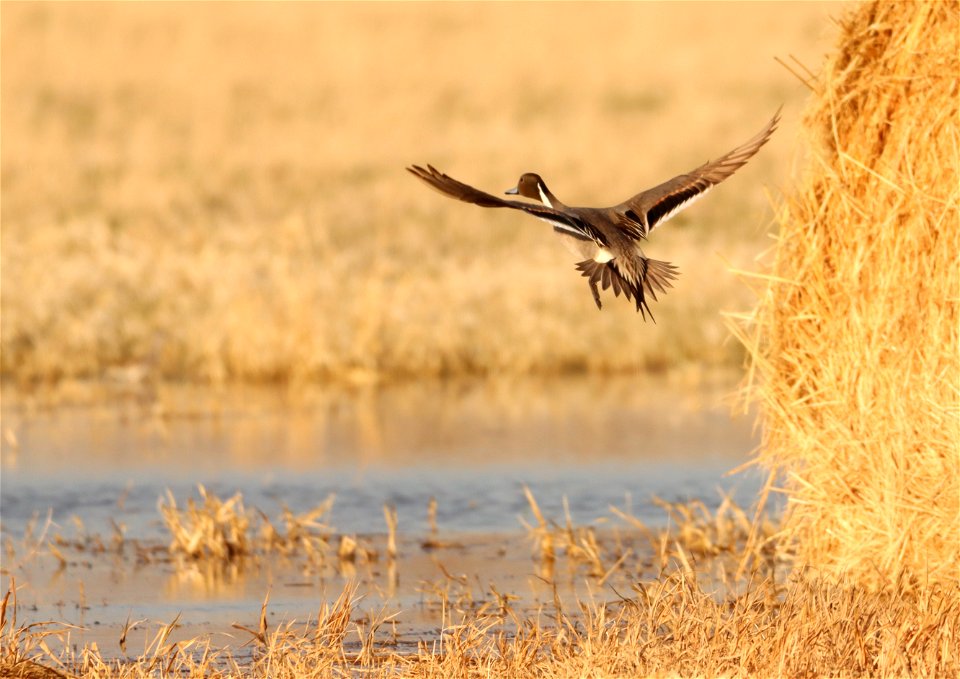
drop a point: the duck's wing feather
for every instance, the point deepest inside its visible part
(561, 221)
(647, 210)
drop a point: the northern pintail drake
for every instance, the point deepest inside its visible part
(609, 238)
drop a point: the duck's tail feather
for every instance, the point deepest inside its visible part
(653, 276)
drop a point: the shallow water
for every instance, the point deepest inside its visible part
(98, 457)
(472, 446)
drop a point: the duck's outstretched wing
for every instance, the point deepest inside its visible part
(447, 185)
(647, 210)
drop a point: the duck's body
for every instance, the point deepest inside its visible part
(609, 238)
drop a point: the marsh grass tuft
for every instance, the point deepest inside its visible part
(225, 531)
(217, 529)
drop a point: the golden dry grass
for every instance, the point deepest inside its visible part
(757, 625)
(856, 348)
(224, 530)
(216, 193)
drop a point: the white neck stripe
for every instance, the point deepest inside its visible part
(543, 196)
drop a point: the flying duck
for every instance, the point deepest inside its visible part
(609, 238)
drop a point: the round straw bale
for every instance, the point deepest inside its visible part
(855, 350)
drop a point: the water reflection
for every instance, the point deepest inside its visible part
(448, 423)
(471, 445)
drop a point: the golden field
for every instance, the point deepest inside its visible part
(218, 193)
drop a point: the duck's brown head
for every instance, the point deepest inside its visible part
(531, 185)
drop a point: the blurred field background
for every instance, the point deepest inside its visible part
(216, 192)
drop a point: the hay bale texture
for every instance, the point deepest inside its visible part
(855, 352)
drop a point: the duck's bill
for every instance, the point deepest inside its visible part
(512, 192)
